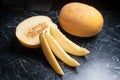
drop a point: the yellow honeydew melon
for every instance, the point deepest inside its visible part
(28, 30)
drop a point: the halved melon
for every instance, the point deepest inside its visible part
(28, 31)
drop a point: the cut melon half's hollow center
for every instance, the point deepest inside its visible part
(28, 30)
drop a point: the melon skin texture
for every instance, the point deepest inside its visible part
(80, 19)
(24, 28)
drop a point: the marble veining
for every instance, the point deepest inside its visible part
(20, 63)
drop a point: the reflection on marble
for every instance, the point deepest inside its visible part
(21, 63)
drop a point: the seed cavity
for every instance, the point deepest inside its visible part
(33, 32)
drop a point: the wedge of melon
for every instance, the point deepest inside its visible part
(28, 31)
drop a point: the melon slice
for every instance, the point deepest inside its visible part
(28, 31)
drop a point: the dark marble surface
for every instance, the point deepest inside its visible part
(21, 63)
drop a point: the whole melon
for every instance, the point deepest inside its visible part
(80, 19)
